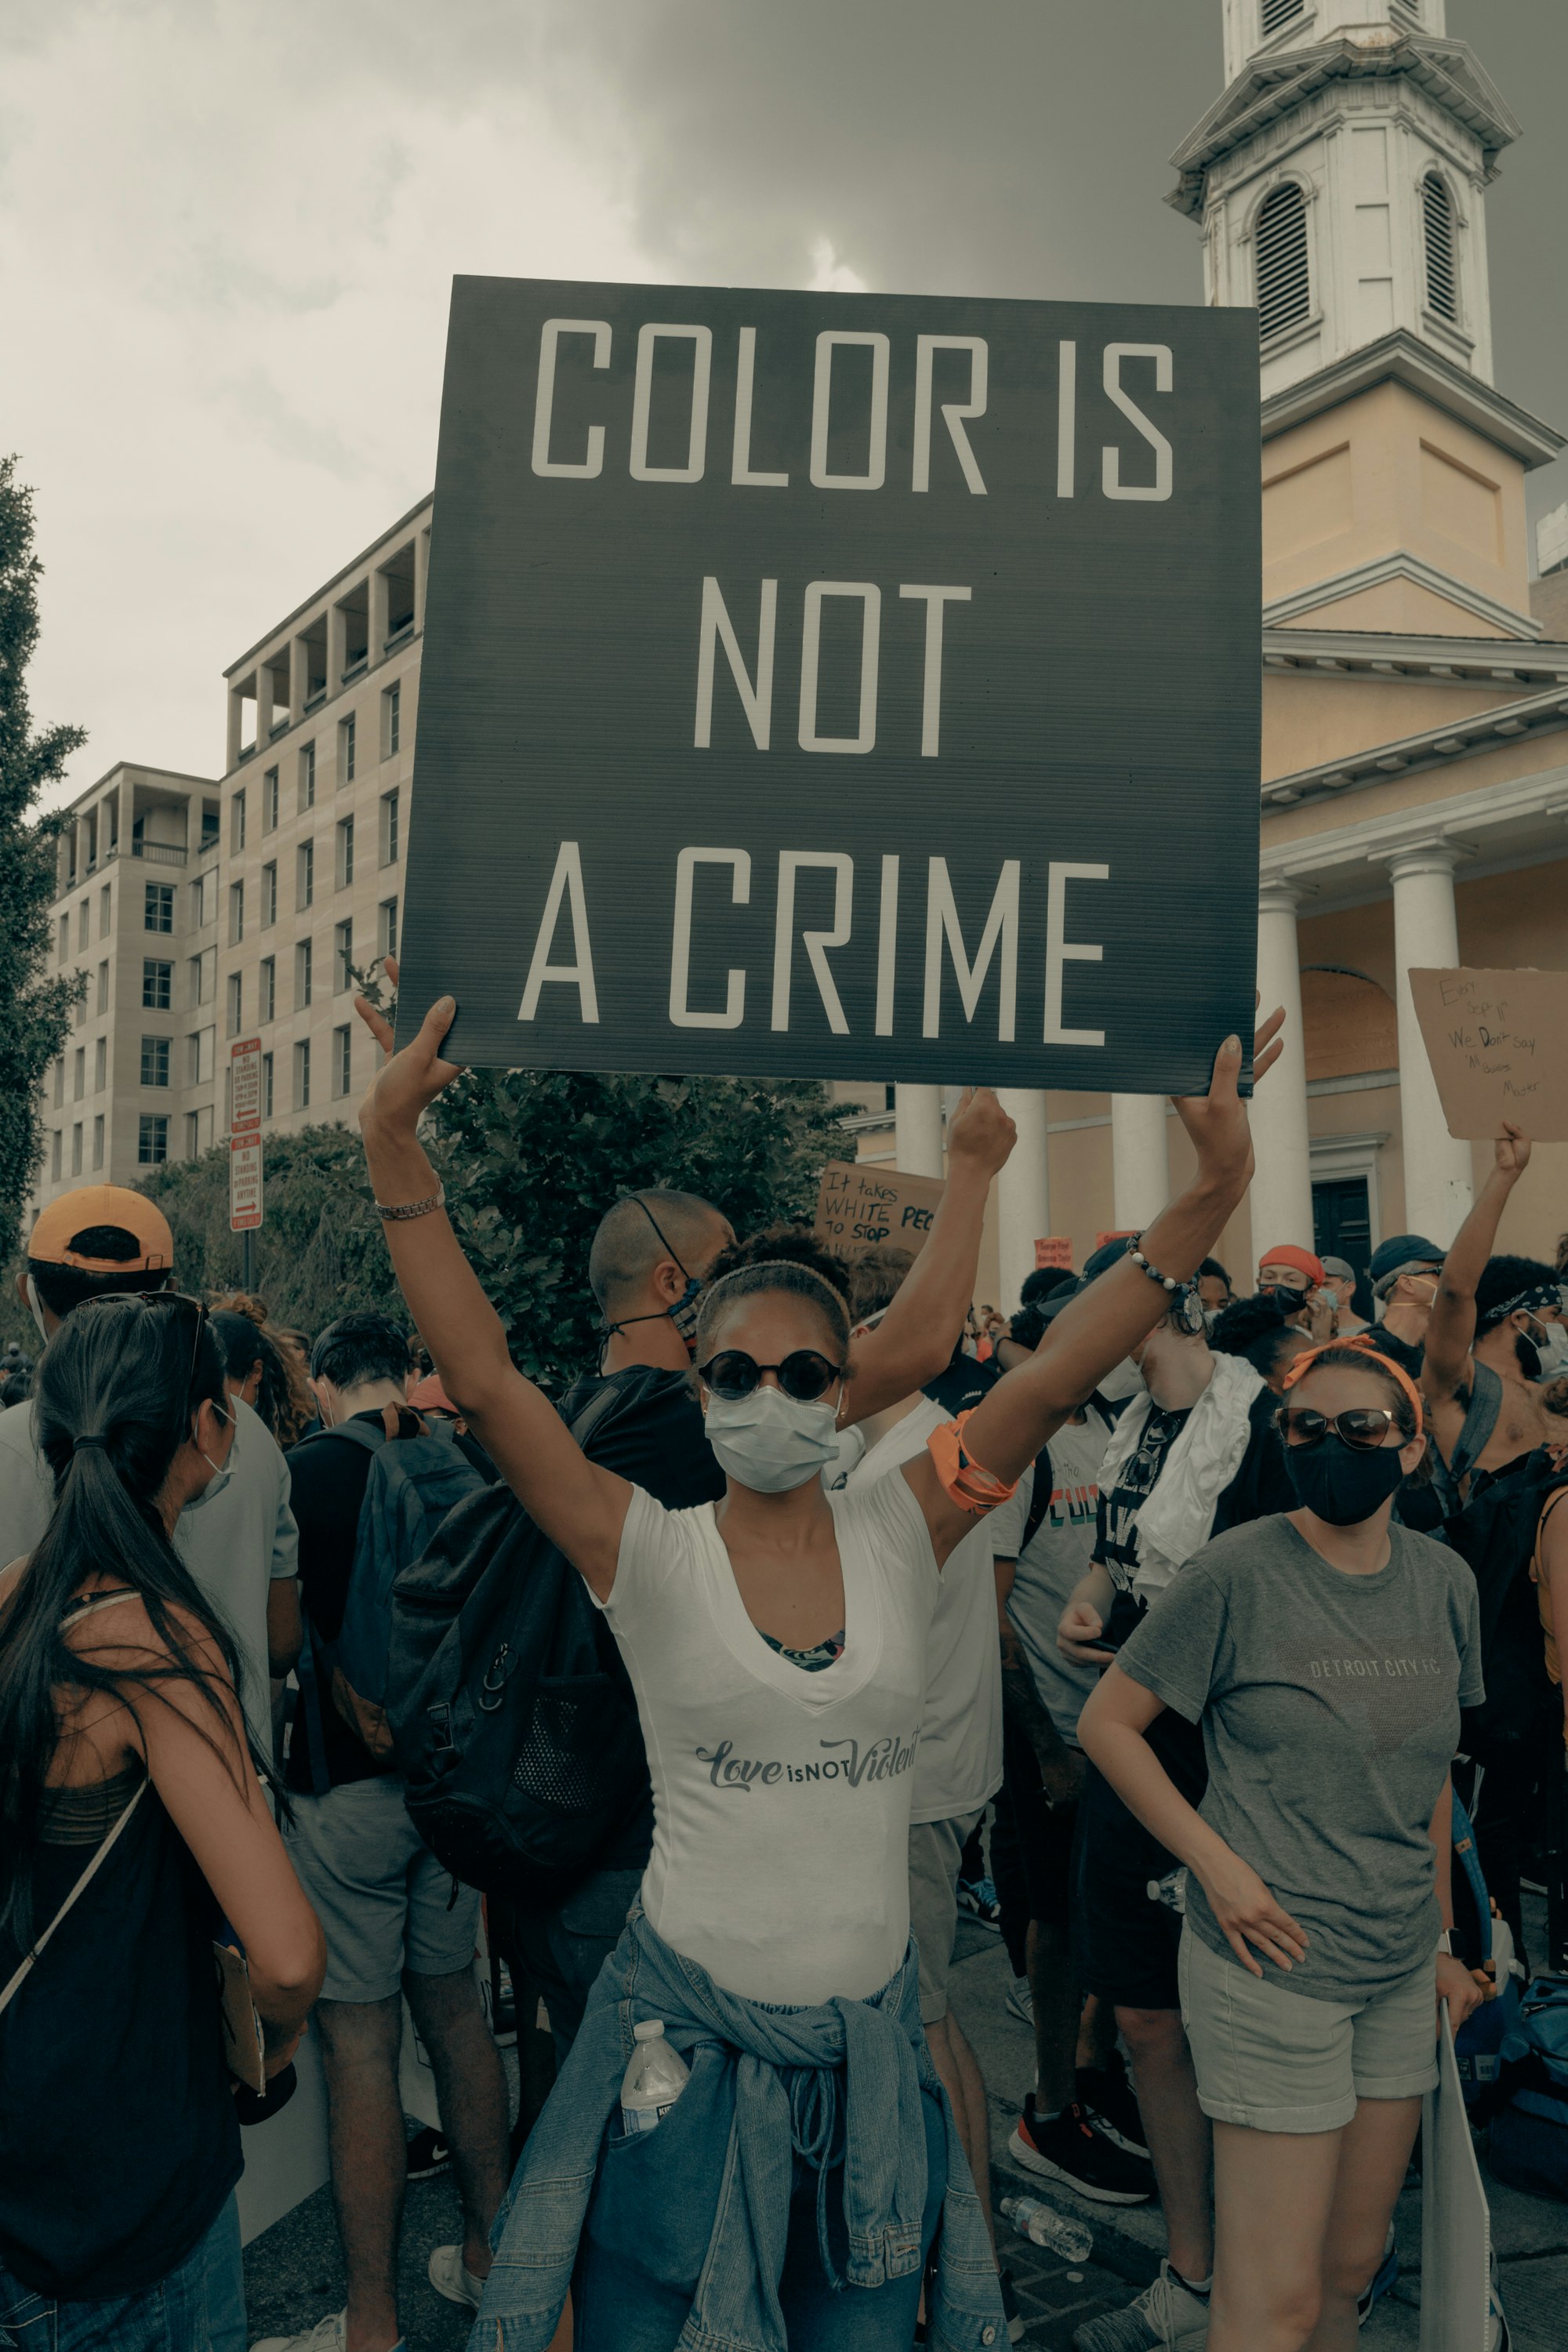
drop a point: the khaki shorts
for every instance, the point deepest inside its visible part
(935, 1849)
(383, 1901)
(1282, 2061)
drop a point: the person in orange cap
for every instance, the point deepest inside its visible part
(1294, 1278)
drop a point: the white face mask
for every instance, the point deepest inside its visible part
(35, 1302)
(1550, 1341)
(1124, 1380)
(770, 1442)
(222, 1471)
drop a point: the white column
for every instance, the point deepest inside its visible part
(917, 1131)
(1022, 1194)
(236, 715)
(1439, 1193)
(1282, 1195)
(299, 677)
(379, 608)
(1140, 1170)
(421, 576)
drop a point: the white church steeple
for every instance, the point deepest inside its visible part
(1341, 182)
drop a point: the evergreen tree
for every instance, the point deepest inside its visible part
(34, 1011)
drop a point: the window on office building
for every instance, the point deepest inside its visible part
(348, 742)
(304, 877)
(101, 1065)
(56, 1147)
(200, 1056)
(81, 928)
(155, 1061)
(204, 898)
(152, 1138)
(105, 911)
(158, 913)
(267, 1005)
(343, 958)
(388, 847)
(98, 1142)
(236, 1003)
(79, 1073)
(343, 1059)
(64, 944)
(307, 777)
(236, 913)
(302, 1074)
(270, 801)
(236, 822)
(267, 1086)
(304, 960)
(76, 1148)
(59, 1082)
(387, 927)
(345, 852)
(269, 895)
(391, 720)
(103, 987)
(157, 984)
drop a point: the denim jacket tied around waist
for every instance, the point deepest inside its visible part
(844, 2081)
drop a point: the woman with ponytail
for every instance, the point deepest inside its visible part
(133, 1823)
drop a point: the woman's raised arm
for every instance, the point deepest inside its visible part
(580, 1506)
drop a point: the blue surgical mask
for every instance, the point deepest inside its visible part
(770, 1442)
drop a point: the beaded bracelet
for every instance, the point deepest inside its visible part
(412, 1208)
(1166, 1281)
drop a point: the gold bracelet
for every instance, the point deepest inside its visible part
(405, 1209)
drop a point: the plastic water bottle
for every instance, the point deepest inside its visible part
(655, 2076)
(1171, 1890)
(1045, 2226)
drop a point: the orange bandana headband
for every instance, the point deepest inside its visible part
(1360, 1346)
(964, 1481)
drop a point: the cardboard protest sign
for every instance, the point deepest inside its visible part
(851, 686)
(860, 1208)
(1495, 1041)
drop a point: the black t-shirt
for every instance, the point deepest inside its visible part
(327, 1484)
(1409, 1354)
(1260, 1487)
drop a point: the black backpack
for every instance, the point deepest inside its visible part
(513, 1716)
(1496, 1534)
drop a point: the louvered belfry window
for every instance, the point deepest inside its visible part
(1280, 12)
(1442, 277)
(1284, 279)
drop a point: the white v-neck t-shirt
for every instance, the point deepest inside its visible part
(779, 1858)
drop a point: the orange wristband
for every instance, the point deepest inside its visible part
(964, 1482)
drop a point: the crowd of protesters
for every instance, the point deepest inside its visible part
(1130, 1625)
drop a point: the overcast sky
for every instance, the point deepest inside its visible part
(227, 231)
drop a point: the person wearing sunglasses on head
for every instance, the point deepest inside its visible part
(133, 1825)
(793, 2189)
(1326, 1654)
(239, 1540)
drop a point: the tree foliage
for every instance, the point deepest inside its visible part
(533, 1159)
(35, 1010)
(530, 1160)
(320, 1250)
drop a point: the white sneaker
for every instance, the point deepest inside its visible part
(1165, 2316)
(450, 2275)
(328, 2335)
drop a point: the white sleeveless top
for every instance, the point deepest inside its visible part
(779, 1858)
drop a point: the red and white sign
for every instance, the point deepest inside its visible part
(1056, 1249)
(245, 1066)
(244, 1182)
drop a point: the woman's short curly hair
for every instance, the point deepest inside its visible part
(771, 1276)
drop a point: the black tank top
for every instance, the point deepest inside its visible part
(118, 2140)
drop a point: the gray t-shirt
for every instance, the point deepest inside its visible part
(1329, 1706)
(1054, 1562)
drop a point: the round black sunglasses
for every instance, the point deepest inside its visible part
(804, 1374)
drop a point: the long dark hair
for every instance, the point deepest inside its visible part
(245, 1338)
(117, 1389)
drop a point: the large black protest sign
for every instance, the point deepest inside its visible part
(851, 686)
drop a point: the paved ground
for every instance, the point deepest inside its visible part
(294, 2271)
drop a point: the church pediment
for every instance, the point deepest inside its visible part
(1271, 86)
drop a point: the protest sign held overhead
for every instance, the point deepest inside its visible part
(861, 1207)
(840, 686)
(1495, 1043)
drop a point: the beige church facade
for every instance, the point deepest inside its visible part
(1414, 786)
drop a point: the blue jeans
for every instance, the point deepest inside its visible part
(175, 2316)
(647, 2232)
(226, 2283)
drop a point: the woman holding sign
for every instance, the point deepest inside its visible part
(776, 1644)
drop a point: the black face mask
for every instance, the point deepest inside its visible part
(1342, 1484)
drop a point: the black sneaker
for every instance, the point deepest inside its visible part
(428, 2155)
(1110, 2105)
(1068, 2150)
